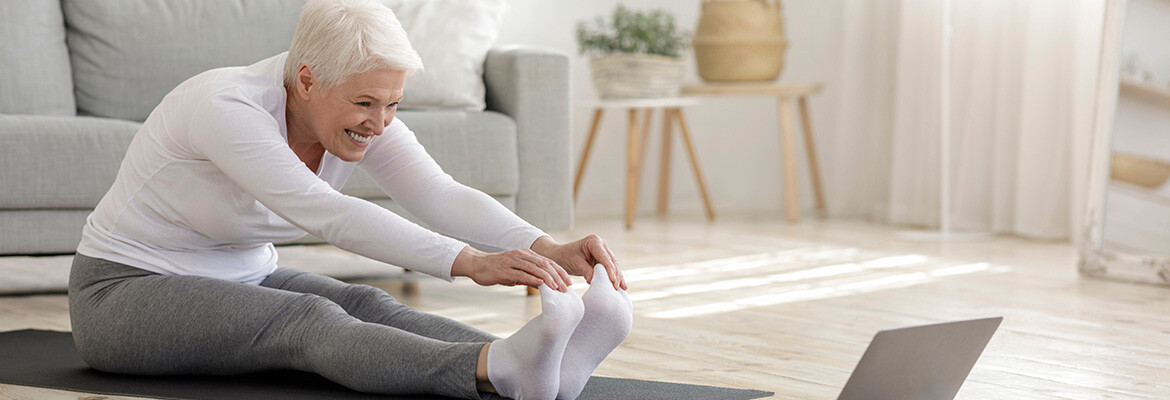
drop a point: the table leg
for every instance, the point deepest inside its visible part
(686, 136)
(585, 154)
(645, 137)
(814, 169)
(631, 165)
(644, 134)
(788, 147)
(664, 163)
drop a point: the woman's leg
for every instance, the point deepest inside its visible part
(374, 305)
(127, 320)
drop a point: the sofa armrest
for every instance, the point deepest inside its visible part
(531, 85)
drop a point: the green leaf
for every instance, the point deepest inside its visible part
(632, 31)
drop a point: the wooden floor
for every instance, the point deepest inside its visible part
(756, 303)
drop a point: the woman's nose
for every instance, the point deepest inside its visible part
(380, 119)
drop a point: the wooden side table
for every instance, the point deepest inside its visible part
(636, 148)
(784, 93)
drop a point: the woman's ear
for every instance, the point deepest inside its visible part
(305, 82)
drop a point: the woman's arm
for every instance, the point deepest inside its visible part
(403, 169)
(244, 142)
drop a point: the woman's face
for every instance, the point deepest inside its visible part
(347, 117)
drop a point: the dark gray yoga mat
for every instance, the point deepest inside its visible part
(49, 360)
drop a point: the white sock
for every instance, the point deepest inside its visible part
(606, 323)
(526, 365)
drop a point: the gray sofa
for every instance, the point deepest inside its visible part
(78, 76)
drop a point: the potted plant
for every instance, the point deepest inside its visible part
(635, 55)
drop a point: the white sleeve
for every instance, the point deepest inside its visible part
(244, 141)
(404, 170)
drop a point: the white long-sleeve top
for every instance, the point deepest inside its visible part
(209, 182)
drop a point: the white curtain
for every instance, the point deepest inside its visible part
(1023, 87)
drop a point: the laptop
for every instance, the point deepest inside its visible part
(927, 362)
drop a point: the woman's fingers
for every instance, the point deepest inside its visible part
(601, 253)
(610, 252)
(540, 272)
(621, 277)
(587, 272)
(564, 275)
(557, 274)
(522, 277)
(542, 268)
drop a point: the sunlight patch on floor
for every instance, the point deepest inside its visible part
(794, 257)
(784, 277)
(777, 278)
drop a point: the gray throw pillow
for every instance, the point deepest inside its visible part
(128, 54)
(34, 64)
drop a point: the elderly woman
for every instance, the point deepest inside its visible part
(176, 272)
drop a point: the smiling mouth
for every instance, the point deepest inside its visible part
(359, 137)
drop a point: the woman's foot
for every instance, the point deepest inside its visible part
(606, 323)
(526, 365)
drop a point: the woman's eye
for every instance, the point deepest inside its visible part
(363, 103)
(392, 105)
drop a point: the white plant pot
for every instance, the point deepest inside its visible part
(636, 76)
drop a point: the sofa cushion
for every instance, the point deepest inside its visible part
(128, 54)
(34, 63)
(453, 38)
(478, 149)
(59, 162)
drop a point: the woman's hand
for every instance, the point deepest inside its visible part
(579, 257)
(510, 268)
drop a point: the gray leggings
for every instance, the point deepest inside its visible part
(128, 320)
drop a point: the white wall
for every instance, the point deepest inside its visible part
(736, 139)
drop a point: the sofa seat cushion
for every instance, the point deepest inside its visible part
(34, 64)
(477, 148)
(59, 162)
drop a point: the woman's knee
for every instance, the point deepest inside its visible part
(364, 297)
(311, 309)
(365, 293)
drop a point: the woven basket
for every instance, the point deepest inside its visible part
(1139, 171)
(635, 76)
(740, 40)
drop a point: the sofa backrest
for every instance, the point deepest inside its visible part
(128, 54)
(34, 63)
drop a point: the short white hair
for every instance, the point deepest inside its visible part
(338, 39)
